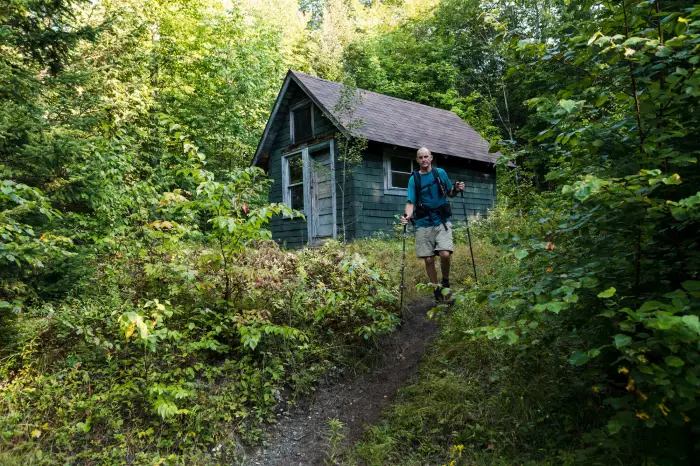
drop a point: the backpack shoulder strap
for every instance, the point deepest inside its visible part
(438, 181)
(416, 183)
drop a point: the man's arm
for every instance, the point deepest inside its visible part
(456, 189)
(408, 213)
(452, 190)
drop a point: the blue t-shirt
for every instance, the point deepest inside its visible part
(429, 196)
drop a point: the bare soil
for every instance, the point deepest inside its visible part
(300, 437)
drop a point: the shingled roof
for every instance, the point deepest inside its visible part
(393, 121)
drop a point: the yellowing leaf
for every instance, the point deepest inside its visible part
(36, 433)
(143, 328)
(594, 37)
(673, 179)
(129, 330)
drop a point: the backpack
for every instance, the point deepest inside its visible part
(445, 211)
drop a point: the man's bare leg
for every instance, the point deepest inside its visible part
(445, 259)
(430, 269)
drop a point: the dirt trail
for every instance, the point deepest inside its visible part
(299, 438)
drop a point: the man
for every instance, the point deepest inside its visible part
(428, 189)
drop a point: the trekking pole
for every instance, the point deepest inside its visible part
(469, 236)
(403, 266)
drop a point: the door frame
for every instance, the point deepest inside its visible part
(308, 178)
(308, 195)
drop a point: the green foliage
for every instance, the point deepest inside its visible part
(483, 400)
(199, 370)
(611, 260)
(145, 316)
(335, 436)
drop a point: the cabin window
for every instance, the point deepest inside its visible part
(397, 172)
(294, 181)
(301, 121)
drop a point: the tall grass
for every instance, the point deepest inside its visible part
(476, 401)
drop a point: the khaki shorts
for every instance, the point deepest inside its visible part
(431, 240)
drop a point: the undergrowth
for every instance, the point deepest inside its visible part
(113, 375)
(485, 401)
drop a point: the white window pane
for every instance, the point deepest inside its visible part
(296, 196)
(400, 180)
(400, 164)
(296, 171)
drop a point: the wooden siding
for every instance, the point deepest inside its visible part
(376, 210)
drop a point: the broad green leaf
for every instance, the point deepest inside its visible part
(521, 254)
(691, 285)
(674, 361)
(614, 426)
(578, 358)
(622, 340)
(632, 41)
(663, 52)
(589, 282)
(692, 322)
(651, 305)
(627, 326)
(665, 321)
(555, 306)
(568, 105)
(607, 293)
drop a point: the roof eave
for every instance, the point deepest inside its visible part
(278, 103)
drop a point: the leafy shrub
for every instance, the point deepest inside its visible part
(186, 338)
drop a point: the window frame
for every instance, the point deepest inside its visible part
(305, 152)
(292, 109)
(286, 195)
(388, 187)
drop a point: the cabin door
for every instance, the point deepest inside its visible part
(322, 193)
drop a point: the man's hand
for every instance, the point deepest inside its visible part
(404, 220)
(459, 186)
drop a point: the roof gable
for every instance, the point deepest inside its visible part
(389, 120)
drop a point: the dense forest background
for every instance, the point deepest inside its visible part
(145, 318)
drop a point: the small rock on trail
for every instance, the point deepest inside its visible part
(300, 438)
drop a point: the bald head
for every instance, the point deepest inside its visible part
(424, 159)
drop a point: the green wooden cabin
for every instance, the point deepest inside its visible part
(298, 151)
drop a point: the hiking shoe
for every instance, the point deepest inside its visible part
(438, 294)
(446, 298)
(443, 298)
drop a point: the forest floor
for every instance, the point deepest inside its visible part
(301, 435)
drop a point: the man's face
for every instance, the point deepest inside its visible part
(424, 159)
